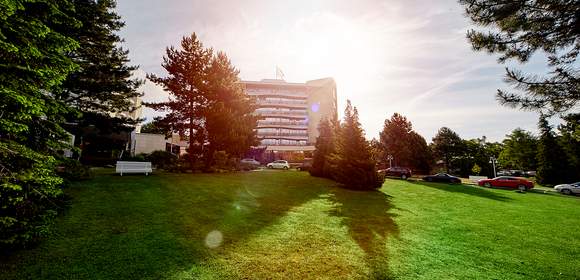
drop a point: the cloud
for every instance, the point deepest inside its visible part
(407, 56)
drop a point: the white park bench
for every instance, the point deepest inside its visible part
(133, 167)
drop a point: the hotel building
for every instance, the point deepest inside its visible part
(289, 114)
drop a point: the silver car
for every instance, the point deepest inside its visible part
(573, 188)
(278, 164)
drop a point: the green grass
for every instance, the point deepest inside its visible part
(288, 225)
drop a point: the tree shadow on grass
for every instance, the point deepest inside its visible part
(370, 224)
(469, 190)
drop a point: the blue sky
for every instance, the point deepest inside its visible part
(406, 56)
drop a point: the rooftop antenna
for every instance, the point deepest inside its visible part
(279, 73)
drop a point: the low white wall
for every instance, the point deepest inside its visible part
(474, 179)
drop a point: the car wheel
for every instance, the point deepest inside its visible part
(487, 185)
(404, 177)
(566, 191)
(429, 179)
(285, 167)
(522, 188)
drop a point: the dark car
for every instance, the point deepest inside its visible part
(401, 172)
(442, 177)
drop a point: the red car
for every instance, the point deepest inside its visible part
(507, 182)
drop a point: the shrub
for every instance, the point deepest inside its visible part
(161, 159)
(72, 170)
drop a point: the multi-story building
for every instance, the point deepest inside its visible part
(289, 114)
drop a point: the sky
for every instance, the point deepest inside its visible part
(405, 56)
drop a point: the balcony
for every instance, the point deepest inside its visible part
(291, 104)
(275, 134)
(283, 124)
(276, 113)
(277, 93)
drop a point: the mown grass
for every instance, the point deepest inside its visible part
(288, 225)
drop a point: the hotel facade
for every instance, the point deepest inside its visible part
(289, 114)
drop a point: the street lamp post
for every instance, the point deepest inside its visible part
(493, 161)
(390, 158)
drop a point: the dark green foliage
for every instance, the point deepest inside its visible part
(324, 148)
(208, 104)
(351, 163)
(520, 29)
(553, 163)
(519, 151)
(103, 81)
(73, 170)
(32, 66)
(477, 152)
(570, 142)
(155, 127)
(407, 148)
(447, 146)
(228, 116)
(161, 159)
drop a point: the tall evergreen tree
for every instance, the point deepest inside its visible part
(421, 158)
(570, 141)
(552, 160)
(229, 122)
(519, 152)
(447, 145)
(188, 70)
(352, 163)
(520, 29)
(396, 140)
(324, 148)
(207, 103)
(102, 84)
(33, 64)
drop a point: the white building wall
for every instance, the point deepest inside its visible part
(147, 143)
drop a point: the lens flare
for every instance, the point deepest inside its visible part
(213, 239)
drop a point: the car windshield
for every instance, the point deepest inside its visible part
(442, 175)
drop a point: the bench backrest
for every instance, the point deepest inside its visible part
(129, 165)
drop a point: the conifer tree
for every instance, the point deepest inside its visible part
(229, 120)
(352, 163)
(207, 103)
(447, 145)
(518, 30)
(33, 64)
(102, 84)
(552, 160)
(188, 70)
(324, 148)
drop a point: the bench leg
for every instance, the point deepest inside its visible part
(146, 174)
(121, 173)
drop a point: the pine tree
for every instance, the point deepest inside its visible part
(207, 103)
(552, 160)
(102, 84)
(229, 120)
(324, 148)
(447, 145)
(395, 139)
(352, 163)
(520, 28)
(186, 83)
(33, 64)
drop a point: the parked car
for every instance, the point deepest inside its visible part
(305, 166)
(401, 172)
(442, 177)
(507, 182)
(278, 164)
(249, 163)
(573, 188)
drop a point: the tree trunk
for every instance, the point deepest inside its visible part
(191, 143)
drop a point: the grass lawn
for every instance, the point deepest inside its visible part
(289, 225)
